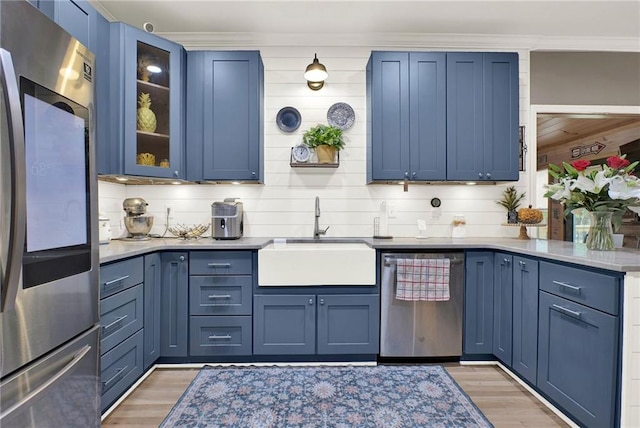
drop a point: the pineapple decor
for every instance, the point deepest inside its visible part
(511, 201)
(146, 118)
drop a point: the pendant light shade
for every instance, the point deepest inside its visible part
(315, 74)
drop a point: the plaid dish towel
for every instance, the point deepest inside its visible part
(422, 279)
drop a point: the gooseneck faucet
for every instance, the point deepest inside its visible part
(316, 228)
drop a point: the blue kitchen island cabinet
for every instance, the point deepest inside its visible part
(225, 116)
(478, 303)
(144, 140)
(482, 116)
(503, 307)
(174, 309)
(152, 305)
(524, 357)
(339, 324)
(406, 104)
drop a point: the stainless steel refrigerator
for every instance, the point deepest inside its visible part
(49, 264)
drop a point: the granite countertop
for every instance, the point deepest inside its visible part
(621, 260)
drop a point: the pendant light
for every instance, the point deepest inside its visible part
(315, 74)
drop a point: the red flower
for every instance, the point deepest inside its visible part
(617, 162)
(581, 164)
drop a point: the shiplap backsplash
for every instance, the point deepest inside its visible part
(284, 204)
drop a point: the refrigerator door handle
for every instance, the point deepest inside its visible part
(12, 260)
(42, 389)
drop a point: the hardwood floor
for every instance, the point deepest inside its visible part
(503, 401)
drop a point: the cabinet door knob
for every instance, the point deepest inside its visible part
(253, 173)
(413, 174)
(523, 264)
(506, 261)
(488, 175)
(479, 175)
(181, 258)
(322, 301)
(311, 301)
(176, 174)
(406, 174)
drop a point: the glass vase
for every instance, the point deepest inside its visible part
(600, 235)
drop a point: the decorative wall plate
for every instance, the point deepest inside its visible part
(341, 116)
(288, 119)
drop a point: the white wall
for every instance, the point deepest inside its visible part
(284, 205)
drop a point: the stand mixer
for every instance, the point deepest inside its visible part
(138, 225)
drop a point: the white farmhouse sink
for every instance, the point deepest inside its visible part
(316, 263)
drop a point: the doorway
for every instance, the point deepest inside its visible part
(566, 133)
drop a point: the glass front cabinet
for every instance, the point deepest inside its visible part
(147, 104)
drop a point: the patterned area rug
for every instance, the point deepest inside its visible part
(334, 396)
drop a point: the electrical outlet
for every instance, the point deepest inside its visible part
(391, 211)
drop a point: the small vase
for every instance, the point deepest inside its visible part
(600, 236)
(326, 154)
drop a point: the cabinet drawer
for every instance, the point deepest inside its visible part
(220, 295)
(118, 276)
(121, 315)
(597, 290)
(220, 262)
(121, 367)
(220, 336)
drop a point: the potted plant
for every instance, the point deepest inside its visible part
(326, 140)
(511, 201)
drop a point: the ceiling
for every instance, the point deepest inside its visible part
(557, 129)
(545, 18)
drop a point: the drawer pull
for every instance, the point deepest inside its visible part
(568, 286)
(219, 265)
(113, 281)
(217, 337)
(219, 296)
(118, 374)
(117, 321)
(574, 314)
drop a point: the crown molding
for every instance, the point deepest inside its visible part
(213, 40)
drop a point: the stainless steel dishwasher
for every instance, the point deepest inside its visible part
(421, 329)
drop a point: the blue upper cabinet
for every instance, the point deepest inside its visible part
(146, 105)
(225, 116)
(407, 125)
(482, 116)
(77, 17)
(388, 126)
(427, 116)
(442, 116)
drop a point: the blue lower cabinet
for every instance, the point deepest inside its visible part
(478, 303)
(220, 335)
(503, 307)
(174, 308)
(524, 359)
(577, 363)
(316, 324)
(348, 324)
(120, 368)
(121, 315)
(284, 325)
(152, 305)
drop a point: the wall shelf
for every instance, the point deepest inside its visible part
(313, 162)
